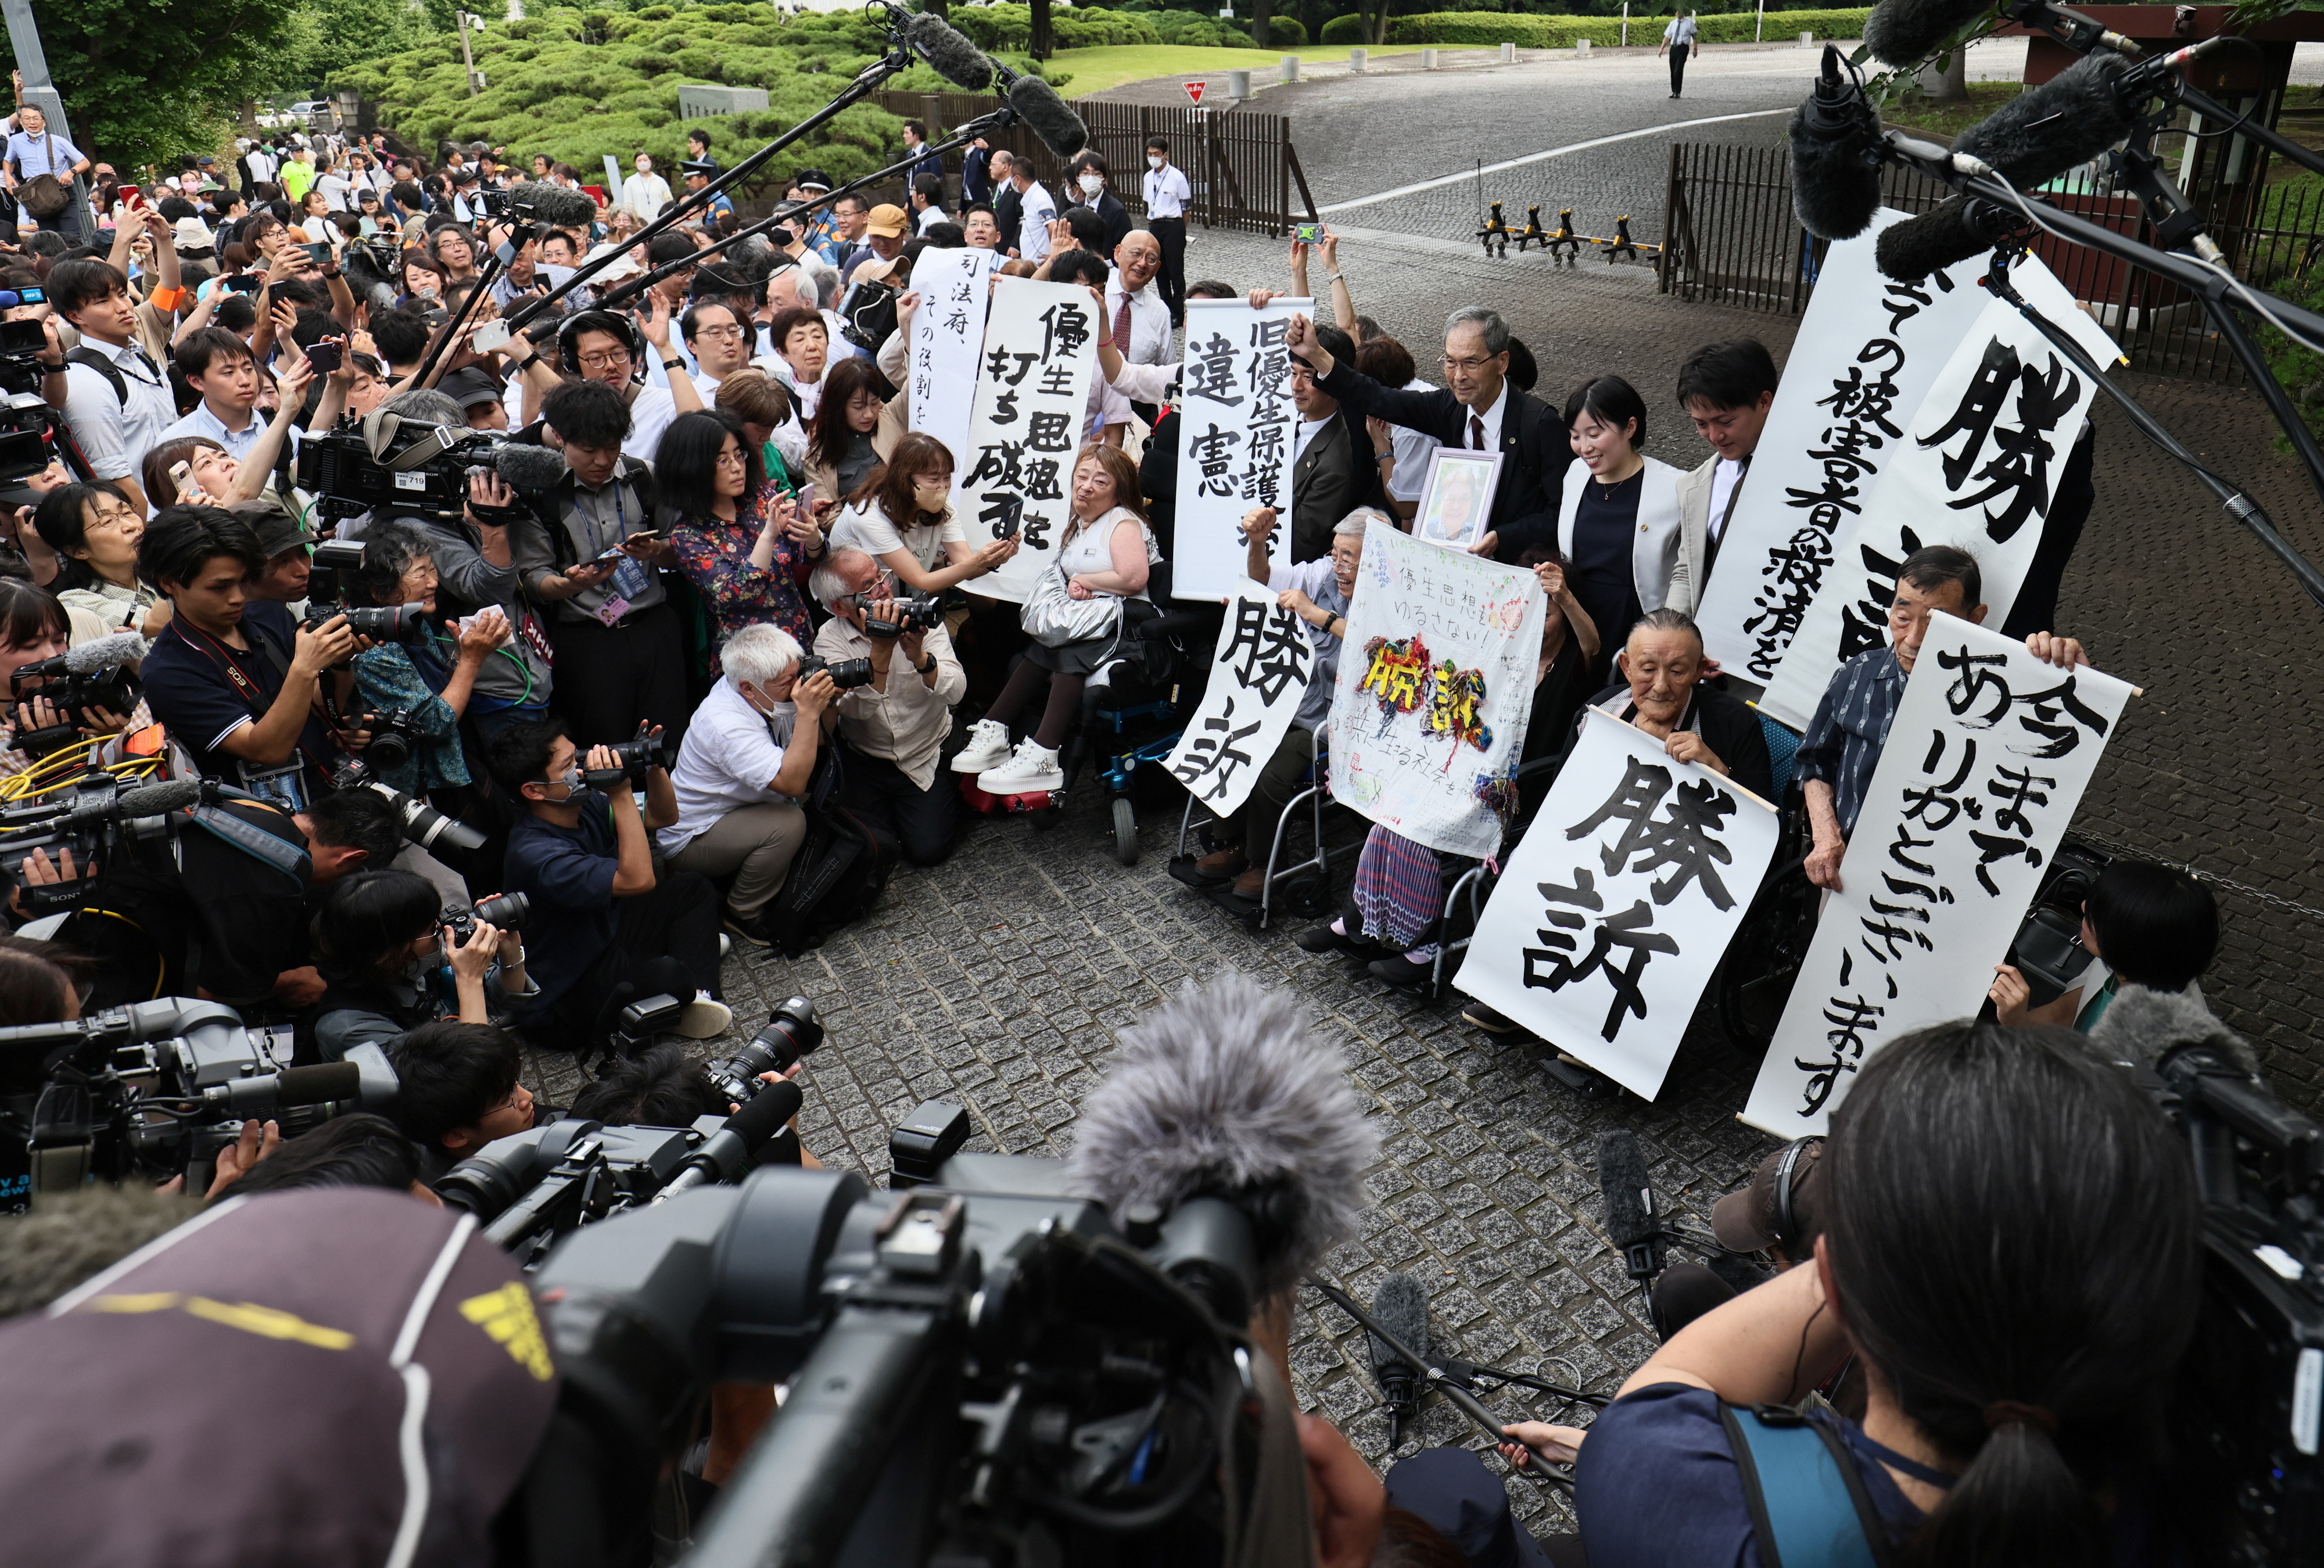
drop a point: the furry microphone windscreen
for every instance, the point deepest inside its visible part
(1037, 104)
(1401, 1305)
(1907, 31)
(1835, 185)
(2064, 123)
(553, 203)
(104, 653)
(1225, 1091)
(157, 799)
(2142, 1026)
(527, 467)
(1628, 1191)
(1932, 241)
(71, 1237)
(948, 54)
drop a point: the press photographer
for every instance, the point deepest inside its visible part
(392, 957)
(892, 728)
(58, 695)
(414, 689)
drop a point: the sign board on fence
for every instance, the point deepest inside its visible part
(1194, 91)
(1867, 350)
(1987, 758)
(947, 332)
(1236, 424)
(1977, 469)
(1258, 677)
(1612, 914)
(1435, 685)
(1024, 424)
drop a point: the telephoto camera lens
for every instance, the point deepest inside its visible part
(846, 674)
(791, 1032)
(508, 911)
(391, 623)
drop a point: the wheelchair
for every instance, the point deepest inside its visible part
(1301, 888)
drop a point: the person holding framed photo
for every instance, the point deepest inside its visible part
(1456, 504)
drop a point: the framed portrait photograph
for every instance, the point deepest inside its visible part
(1456, 503)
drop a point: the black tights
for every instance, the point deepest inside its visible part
(1065, 701)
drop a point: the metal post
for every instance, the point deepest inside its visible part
(1759, 28)
(467, 56)
(24, 41)
(1626, 24)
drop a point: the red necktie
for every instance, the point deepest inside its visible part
(1122, 326)
(1476, 432)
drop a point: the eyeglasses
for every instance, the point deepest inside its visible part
(1452, 363)
(732, 459)
(605, 359)
(724, 334)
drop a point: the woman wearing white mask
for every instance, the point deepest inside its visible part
(1086, 179)
(904, 521)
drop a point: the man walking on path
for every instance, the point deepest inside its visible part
(1678, 38)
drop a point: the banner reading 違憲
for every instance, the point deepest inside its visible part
(1977, 469)
(1258, 677)
(1867, 350)
(1611, 914)
(1434, 689)
(1024, 425)
(1236, 422)
(1988, 755)
(947, 332)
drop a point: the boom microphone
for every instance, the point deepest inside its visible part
(552, 204)
(1835, 156)
(1053, 120)
(157, 799)
(949, 55)
(1629, 1193)
(1401, 1305)
(1937, 238)
(1226, 1093)
(527, 467)
(1907, 31)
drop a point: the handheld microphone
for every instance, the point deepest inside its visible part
(545, 202)
(1629, 1193)
(1401, 1305)
(1835, 155)
(949, 54)
(730, 1150)
(1225, 1093)
(527, 467)
(1053, 120)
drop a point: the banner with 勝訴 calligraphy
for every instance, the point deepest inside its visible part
(1259, 675)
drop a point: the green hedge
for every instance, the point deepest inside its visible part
(1282, 32)
(1485, 28)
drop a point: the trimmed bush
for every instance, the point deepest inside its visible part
(1486, 29)
(1282, 32)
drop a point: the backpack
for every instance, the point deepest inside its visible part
(1809, 1508)
(840, 873)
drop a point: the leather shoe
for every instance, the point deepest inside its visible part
(1490, 1021)
(1250, 884)
(1399, 970)
(1323, 939)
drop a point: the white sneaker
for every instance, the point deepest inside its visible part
(988, 747)
(1033, 766)
(704, 1019)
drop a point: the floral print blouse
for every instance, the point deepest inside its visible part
(715, 556)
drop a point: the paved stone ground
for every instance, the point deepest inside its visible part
(996, 980)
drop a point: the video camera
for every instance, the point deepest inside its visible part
(91, 817)
(918, 613)
(640, 755)
(157, 1087)
(335, 563)
(867, 312)
(846, 674)
(427, 478)
(24, 415)
(69, 690)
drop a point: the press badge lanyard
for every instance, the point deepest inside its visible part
(630, 578)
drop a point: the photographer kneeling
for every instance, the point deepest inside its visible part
(748, 756)
(607, 926)
(381, 947)
(892, 729)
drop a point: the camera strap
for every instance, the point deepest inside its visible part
(253, 696)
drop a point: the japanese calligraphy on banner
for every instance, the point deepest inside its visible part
(1435, 688)
(1986, 761)
(1611, 916)
(1236, 423)
(1257, 679)
(1024, 425)
(1976, 469)
(1867, 350)
(947, 331)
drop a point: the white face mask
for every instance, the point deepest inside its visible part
(1156, 160)
(1092, 184)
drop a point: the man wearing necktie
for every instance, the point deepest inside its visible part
(1727, 389)
(117, 401)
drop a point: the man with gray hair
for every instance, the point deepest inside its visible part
(1478, 409)
(892, 730)
(748, 756)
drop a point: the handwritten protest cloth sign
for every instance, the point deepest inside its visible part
(1988, 755)
(1024, 426)
(1236, 422)
(1613, 912)
(1258, 677)
(1867, 350)
(1977, 469)
(947, 332)
(1435, 688)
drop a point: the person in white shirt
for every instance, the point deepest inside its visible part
(747, 757)
(1038, 210)
(645, 192)
(1137, 319)
(218, 364)
(117, 417)
(720, 343)
(1167, 195)
(1727, 389)
(1678, 42)
(333, 183)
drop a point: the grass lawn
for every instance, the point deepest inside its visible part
(1951, 119)
(1092, 70)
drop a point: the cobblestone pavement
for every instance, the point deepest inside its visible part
(998, 979)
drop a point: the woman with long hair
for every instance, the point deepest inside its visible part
(855, 427)
(738, 538)
(34, 626)
(904, 521)
(1106, 551)
(382, 957)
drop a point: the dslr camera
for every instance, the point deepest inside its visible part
(504, 912)
(846, 674)
(640, 755)
(917, 614)
(391, 736)
(335, 561)
(423, 824)
(791, 1032)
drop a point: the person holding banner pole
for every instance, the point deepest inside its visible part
(1843, 743)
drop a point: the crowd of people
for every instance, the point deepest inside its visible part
(728, 602)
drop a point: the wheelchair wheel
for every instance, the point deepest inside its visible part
(1755, 978)
(1125, 831)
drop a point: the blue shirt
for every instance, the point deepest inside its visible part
(47, 153)
(1843, 742)
(568, 872)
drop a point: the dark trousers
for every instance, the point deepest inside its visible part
(1678, 69)
(665, 940)
(1452, 1493)
(1170, 234)
(1279, 778)
(2035, 608)
(610, 678)
(1683, 1292)
(923, 819)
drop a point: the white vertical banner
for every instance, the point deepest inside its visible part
(947, 333)
(1024, 424)
(1977, 469)
(1435, 685)
(1236, 422)
(1611, 916)
(1986, 761)
(1867, 350)
(1259, 675)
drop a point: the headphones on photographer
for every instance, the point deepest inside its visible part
(615, 323)
(1785, 1221)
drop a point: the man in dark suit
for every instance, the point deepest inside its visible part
(1008, 206)
(1325, 481)
(975, 179)
(1479, 410)
(916, 141)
